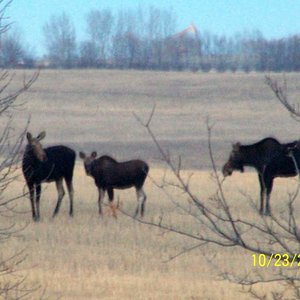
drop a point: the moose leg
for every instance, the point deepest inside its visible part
(38, 196)
(262, 193)
(61, 193)
(143, 202)
(269, 187)
(31, 196)
(71, 196)
(100, 198)
(141, 198)
(110, 193)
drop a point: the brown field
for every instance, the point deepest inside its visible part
(94, 110)
(91, 258)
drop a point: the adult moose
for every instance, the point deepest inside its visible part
(47, 165)
(287, 164)
(110, 174)
(261, 155)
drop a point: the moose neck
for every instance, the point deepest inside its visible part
(251, 158)
(29, 156)
(93, 169)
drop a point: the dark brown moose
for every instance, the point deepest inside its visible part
(47, 165)
(270, 159)
(110, 174)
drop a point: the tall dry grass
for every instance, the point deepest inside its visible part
(88, 257)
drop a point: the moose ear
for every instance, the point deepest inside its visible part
(82, 155)
(41, 135)
(94, 154)
(236, 146)
(29, 136)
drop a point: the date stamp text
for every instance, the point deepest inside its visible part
(276, 260)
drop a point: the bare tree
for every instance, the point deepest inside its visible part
(12, 284)
(100, 24)
(140, 39)
(273, 241)
(11, 51)
(60, 40)
(126, 40)
(280, 91)
(88, 57)
(161, 25)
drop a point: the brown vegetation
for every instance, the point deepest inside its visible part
(88, 257)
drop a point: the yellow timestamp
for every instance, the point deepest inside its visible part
(276, 260)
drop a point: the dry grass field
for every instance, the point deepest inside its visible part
(91, 258)
(94, 110)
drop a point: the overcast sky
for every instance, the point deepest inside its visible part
(274, 18)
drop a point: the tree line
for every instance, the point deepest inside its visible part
(148, 39)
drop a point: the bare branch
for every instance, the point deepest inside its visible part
(217, 223)
(281, 93)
